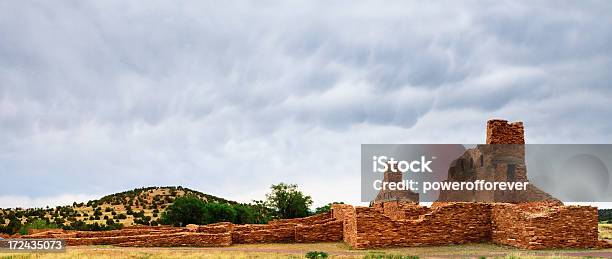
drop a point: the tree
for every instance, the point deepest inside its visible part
(262, 212)
(287, 202)
(185, 210)
(245, 214)
(36, 224)
(326, 208)
(218, 212)
(12, 227)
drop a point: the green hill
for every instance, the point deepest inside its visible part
(142, 206)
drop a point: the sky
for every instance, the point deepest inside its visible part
(230, 97)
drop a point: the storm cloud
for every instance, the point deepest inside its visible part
(228, 98)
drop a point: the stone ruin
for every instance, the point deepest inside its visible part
(502, 159)
(391, 221)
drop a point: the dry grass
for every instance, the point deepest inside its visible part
(605, 231)
(336, 250)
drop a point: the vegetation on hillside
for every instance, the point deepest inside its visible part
(142, 206)
(154, 206)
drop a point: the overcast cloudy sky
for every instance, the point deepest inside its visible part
(229, 97)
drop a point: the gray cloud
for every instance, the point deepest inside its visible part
(102, 96)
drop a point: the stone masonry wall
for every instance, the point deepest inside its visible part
(346, 214)
(527, 225)
(326, 231)
(541, 227)
(452, 223)
(502, 132)
(317, 228)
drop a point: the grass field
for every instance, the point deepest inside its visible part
(605, 231)
(336, 250)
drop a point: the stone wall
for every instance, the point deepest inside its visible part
(543, 227)
(452, 223)
(305, 220)
(528, 225)
(268, 233)
(325, 231)
(502, 132)
(317, 228)
(346, 214)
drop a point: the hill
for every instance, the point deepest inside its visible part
(142, 206)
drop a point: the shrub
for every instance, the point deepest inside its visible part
(316, 254)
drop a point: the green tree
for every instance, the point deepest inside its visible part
(287, 202)
(37, 224)
(262, 212)
(185, 210)
(245, 214)
(218, 212)
(12, 227)
(326, 208)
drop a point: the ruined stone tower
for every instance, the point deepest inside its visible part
(502, 132)
(502, 159)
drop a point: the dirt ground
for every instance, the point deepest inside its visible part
(335, 250)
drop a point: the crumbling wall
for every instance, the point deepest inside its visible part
(268, 233)
(139, 236)
(222, 227)
(527, 225)
(159, 240)
(346, 214)
(317, 228)
(305, 220)
(502, 132)
(329, 230)
(537, 226)
(451, 223)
